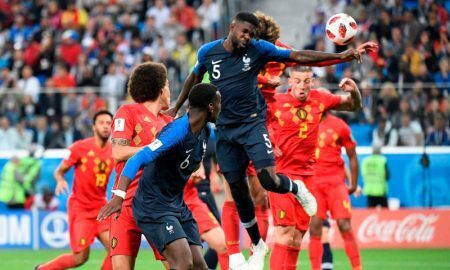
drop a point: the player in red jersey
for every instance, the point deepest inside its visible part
(93, 164)
(208, 226)
(332, 194)
(135, 126)
(298, 113)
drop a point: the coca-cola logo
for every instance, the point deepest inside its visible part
(413, 228)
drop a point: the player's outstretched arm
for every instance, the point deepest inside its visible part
(190, 81)
(350, 102)
(317, 58)
(61, 184)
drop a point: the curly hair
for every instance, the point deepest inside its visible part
(268, 28)
(147, 81)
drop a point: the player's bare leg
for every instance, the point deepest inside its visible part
(104, 239)
(351, 247)
(197, 258)
(123, 262)
(286, 248)
(66, 261)
(179, 255)
(315, 243)
(259, 195)
(215, 238)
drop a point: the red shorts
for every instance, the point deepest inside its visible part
(83, 226)
(286, 209)
(125, 235)
(251, 171)
(333, 197)
(204, 217)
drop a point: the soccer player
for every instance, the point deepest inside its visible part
(268, 80)
(332, 194)
(169, 161)
(93, 164)
(135, 126)
(298, 113)
(233, 65)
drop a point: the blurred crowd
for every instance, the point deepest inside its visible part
(405, 84)
(61, 61)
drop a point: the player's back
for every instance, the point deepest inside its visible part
(334, 134)
(235, 75)
(135, 123)
(163, 180)
(93, 167)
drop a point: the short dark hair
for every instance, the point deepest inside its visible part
(101, 112)
(147, 81)
(202, 95)
(247, 17)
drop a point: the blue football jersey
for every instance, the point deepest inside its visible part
(169, 162)
(235, 75)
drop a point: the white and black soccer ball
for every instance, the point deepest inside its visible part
(341, 29)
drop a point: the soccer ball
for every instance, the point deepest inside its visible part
(341, 29)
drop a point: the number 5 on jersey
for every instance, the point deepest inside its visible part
(216, 71)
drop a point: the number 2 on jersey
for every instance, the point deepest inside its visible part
(303, 130)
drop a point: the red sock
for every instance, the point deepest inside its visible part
(315, 252)
(107, 263)
(230, 225)
(279, 256)
(292, 258)
(351, 248)
(223, 260)
(262, 216)
(62, 262)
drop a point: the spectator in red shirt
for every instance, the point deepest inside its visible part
(185, 14)
(70, 48)
(62, 79)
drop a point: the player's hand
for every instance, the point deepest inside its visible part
(277, 151)
(367, 47)
(357, 192)
(172, 112)
(351, 189)
(274, 81)
(113, 206)
(199, 175)
(348, 85)
(62, 188)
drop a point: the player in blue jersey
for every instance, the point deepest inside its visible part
(233, 64)
(169, 161)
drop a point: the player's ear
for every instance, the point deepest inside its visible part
(211, 107)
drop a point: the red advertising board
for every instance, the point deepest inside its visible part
(412, 228)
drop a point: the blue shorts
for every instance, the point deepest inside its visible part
(238, 144)
(165, 229)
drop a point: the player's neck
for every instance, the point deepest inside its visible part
(152, 106)
(100, 142)
(197, 120)
(228, 45)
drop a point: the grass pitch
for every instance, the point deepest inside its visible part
(374, 259)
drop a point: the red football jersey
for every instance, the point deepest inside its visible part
(296, 129)
(93, 166)
(334, 134)
(270, 70)
(138, 125)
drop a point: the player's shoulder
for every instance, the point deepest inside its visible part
(82, 144)
(337, 122)
(283, 97)
(207, 47)
(126, 109)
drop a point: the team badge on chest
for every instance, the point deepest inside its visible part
(302, 114)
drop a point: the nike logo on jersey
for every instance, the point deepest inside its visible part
(269, 151)
(188, 151)
(216, 62)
